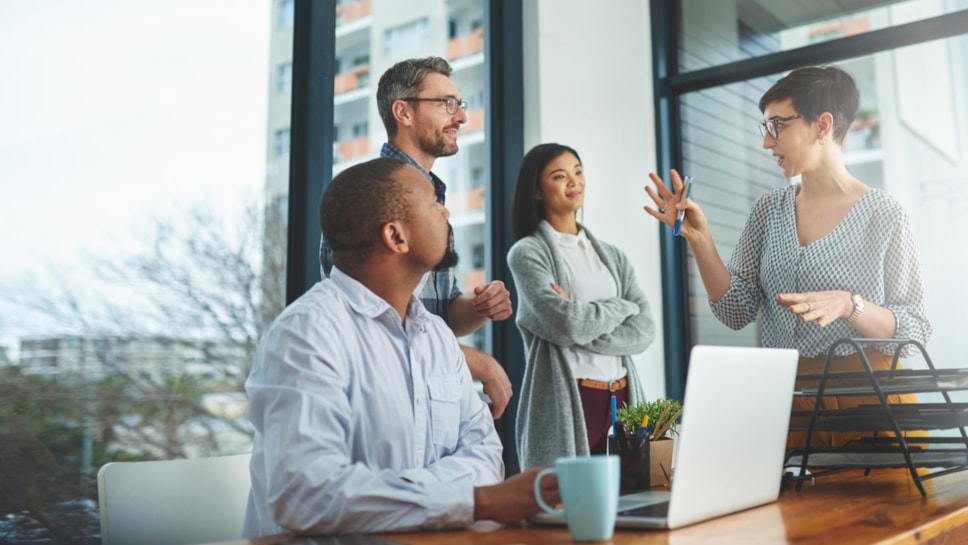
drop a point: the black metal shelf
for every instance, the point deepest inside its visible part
(887, 446)
(900, 381)
(908, 417)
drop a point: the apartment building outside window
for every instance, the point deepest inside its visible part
(284, 79)
(286, 13)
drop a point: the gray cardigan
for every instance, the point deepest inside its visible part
(550, 421)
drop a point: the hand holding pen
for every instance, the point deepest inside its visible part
(669, 204)
(686, 190)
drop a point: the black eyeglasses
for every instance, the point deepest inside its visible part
(772, 125)
(450, 103)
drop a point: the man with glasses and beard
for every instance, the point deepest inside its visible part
(366, 418)
(422, 112)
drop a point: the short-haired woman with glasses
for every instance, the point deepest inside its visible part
(581, 314)
(821, 260)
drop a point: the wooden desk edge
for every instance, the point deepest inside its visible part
(949, 529)
(882, 509)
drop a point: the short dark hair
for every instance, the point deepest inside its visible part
(815, 90)
(404, 79)
(356, 205)
(526, 210)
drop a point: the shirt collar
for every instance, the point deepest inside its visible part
(567, 240)
(440, 188)
(371, 305)
(389, 150)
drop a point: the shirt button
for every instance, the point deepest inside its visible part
(419, 400)
(419, 460)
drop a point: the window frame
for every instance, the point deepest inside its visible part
(314, 63)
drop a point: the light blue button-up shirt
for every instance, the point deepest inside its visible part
(364, 425)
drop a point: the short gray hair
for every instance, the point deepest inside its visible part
(404, 80)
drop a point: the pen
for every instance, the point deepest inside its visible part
(643, 430)
(614, 416)
(686, 189)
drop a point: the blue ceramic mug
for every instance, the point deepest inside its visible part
(589, 487)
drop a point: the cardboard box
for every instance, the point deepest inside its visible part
(660, 461)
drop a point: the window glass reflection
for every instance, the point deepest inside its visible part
(715, 33)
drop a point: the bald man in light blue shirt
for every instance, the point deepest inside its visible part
(365, 413)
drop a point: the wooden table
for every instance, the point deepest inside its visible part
(845, 509)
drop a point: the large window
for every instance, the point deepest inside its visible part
(343, 118)
(910, 137)
(133, 155)
(406, 33)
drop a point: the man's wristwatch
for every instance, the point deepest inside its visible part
(858, 307)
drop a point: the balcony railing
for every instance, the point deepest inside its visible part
(466, 201)
(475, 121)
(352, 79)
(467, 44)
(842, 29)
(471, 279)
(348, 12)
(348, 149)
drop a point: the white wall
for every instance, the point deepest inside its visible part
(588, 84)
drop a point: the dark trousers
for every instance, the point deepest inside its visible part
(597, 408)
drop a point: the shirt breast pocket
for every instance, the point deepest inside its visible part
(444, 392)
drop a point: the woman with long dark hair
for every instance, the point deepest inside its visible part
(581, 314)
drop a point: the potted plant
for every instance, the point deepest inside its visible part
(661, 418)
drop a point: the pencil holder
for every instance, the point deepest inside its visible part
(633, 453)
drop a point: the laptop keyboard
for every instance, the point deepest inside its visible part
(660, 509)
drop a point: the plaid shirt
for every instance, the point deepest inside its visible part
(438, 288)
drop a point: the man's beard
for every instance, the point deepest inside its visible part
(450, 258)
(437, 147)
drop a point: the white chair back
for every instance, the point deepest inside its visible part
(173, 502)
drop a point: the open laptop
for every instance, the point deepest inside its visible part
(731, 442)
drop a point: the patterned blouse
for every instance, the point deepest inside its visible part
(871, 252)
